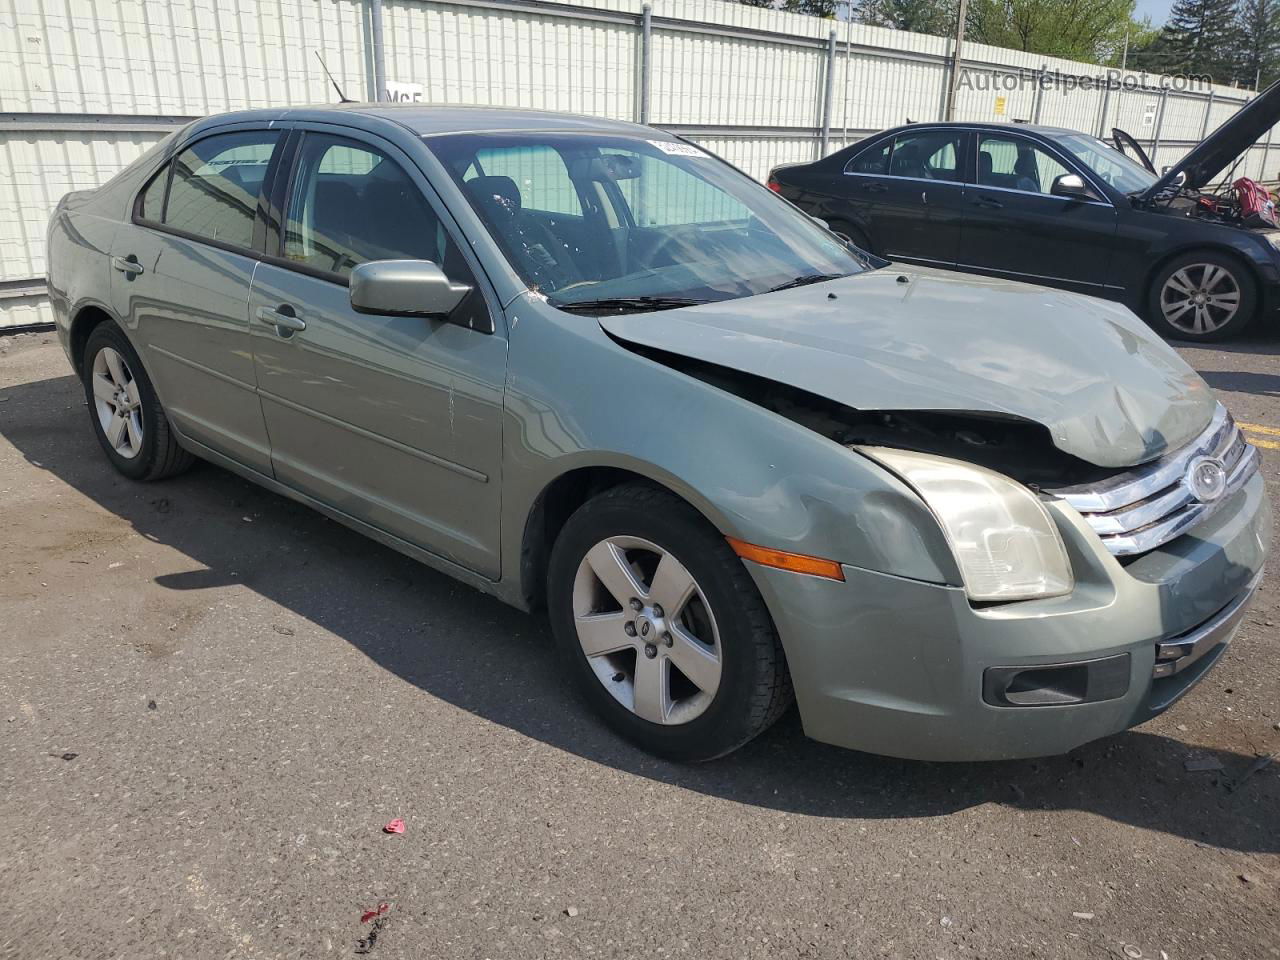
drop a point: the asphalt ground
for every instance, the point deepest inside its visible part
(212, 700)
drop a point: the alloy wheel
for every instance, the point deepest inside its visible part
(117, 402)
(646, 628)
(1200, 298)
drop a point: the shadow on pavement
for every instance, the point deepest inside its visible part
(499, 664)
(1243, 381)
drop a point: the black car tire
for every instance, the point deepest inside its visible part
(1195, 267)
(754, 685)
(158, 455)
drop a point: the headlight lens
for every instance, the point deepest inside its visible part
(1003, 538)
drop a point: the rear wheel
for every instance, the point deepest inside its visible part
(1202, 295)
(126, 414)
(662, 627)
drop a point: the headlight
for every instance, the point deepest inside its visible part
(1003, 538)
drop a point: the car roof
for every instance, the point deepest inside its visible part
(427, 119)
(1037, 128)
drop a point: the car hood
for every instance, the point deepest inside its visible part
(1110, 391)
(1212, 154)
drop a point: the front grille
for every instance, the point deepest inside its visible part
(1141, 509)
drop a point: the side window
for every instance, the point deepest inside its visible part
(151, 203)
(874, 160)
(351, 203)
(929, 155)
(538, 173)
(214, 193)
(1016, 164)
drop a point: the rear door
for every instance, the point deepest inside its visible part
(395, 421)
(908, 190)
(1015, 227)
(180, 281)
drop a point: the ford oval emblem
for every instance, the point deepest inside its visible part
(1206, 479)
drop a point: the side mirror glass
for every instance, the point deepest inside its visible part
(1072, 185)
(404, 288)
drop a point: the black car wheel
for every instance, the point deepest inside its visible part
(662, 627)
(126, 414)
(1203, 295)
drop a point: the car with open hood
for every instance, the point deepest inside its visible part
(1066, 209)
(588, 367)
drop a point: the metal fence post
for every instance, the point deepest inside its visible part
(379, 54)
(646, 59)
(1106, 107)
(1039, 75)
(1155, 140)
(1208, 109)
(826, 94)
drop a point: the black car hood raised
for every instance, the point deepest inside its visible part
(1108, 389)
(1212, 154)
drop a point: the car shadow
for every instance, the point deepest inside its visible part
(462, 647)
(1243, 381)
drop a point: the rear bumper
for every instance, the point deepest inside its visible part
(912, 669)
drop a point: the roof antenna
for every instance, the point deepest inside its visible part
(342, 97)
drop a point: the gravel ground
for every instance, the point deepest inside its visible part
(212, 699)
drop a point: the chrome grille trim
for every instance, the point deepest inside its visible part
(1141, 509)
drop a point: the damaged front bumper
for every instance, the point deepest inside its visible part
(912, 669)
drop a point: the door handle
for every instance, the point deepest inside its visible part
(127, 265)
(282, 320)
(989, 202)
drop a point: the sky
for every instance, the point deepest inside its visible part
(1157, 10)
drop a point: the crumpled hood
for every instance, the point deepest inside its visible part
(1107, 388)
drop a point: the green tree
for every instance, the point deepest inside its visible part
(1089, 30)
(1201, 37)
(756, 3)
(919, 16)
(1257, 42)
(814, 8)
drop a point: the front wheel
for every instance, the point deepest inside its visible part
(662, 627)
(1202, 296)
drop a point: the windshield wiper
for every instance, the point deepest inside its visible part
(805, 281)
(629, 303)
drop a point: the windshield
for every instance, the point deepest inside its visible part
(621, 223)
(1126, 175)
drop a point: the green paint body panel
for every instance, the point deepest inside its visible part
(441, 440)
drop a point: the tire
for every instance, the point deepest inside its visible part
(122, 400)
(721, 619)
(1229, 289)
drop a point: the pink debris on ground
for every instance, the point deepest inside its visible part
(395, 826)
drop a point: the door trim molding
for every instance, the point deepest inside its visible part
(431, 458)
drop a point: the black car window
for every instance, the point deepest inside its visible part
(351, 203)
(874, 160)
(928, 155)
(1016, 164)
(214, 193)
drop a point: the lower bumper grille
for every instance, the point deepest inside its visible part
(1141, 509)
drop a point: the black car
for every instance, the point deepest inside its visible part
(1064, 209)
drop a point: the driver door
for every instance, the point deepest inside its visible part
(395, 421)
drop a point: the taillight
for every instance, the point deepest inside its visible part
(773, 185)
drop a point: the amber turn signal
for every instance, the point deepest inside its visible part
(795, 562)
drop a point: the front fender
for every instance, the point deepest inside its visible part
(576, 398)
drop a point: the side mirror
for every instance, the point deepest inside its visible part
(404, 288)
(1072, 185)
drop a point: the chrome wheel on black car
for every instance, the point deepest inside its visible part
(1202, 296)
